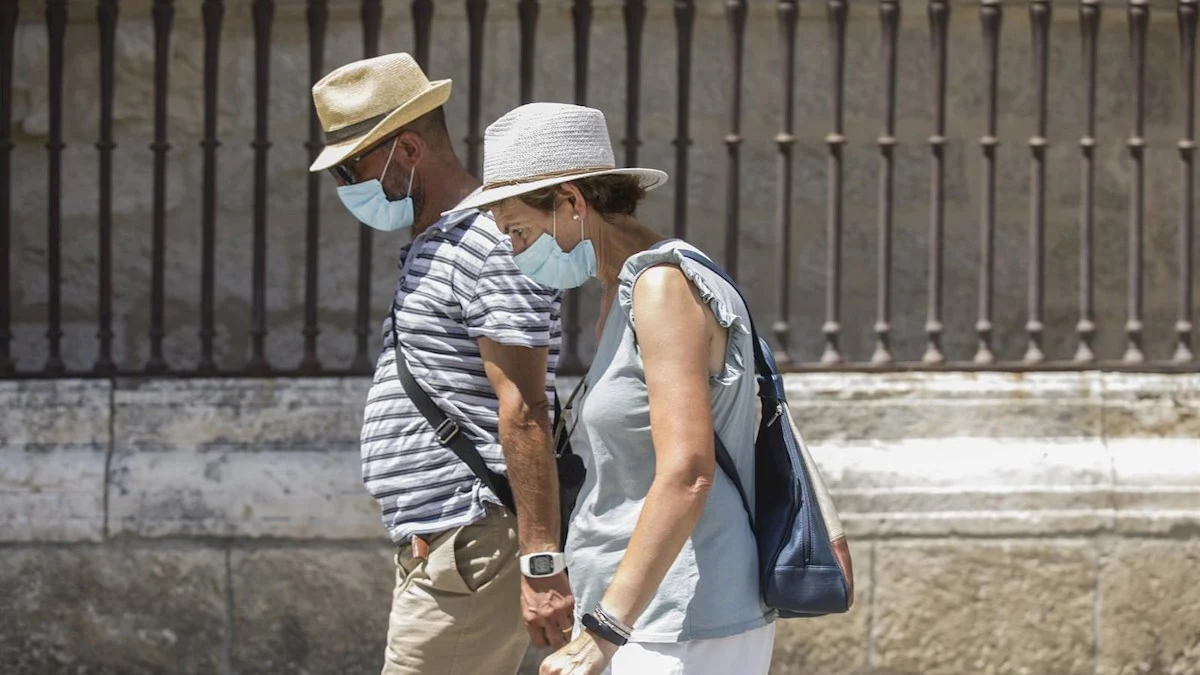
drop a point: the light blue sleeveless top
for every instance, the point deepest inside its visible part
(712, 588)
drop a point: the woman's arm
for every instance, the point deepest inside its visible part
(675, 333)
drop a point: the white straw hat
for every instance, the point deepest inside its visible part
(542, 144)
(364, 102)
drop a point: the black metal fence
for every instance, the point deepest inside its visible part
(634, 13)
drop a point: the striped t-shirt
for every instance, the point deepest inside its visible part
(457, 283)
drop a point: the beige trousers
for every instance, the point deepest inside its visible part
(459, 612)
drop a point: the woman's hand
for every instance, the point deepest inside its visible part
(585, 655)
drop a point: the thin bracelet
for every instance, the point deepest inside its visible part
(620, 626)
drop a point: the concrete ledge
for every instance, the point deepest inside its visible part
(907, 455)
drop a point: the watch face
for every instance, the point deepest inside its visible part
(541, 564)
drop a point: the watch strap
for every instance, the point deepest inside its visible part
(558, 564)
(603, 630)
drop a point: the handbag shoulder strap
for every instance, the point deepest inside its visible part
(761, 363)
(447, 431)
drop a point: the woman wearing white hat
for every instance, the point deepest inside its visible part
(661, 557)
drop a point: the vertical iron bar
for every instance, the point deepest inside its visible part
(1139, 18)
(1089, 26)
(1187, 152)
(634, 12)
(581, 21)
(317, 14)
(735, 10)
(422, 14)
(263, 14)
(1039, 15)
(8, 29)
(788, 13)
(991, 16)
(56, 25)
(371, 13)
(527, 10)
(106, 18)
(835, 140)
(476, 12)
(939, 17)
(213, 12)
(164, 16)
(889, 18)
(685, 19)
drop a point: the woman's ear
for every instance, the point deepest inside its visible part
(575, 199)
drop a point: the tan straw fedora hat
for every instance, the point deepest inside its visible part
(542, 144)
(363, 102)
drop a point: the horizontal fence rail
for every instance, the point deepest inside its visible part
(631, 130)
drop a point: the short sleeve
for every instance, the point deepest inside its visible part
(714, 292)
(506, 306)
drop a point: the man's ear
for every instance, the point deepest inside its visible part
(410, 148)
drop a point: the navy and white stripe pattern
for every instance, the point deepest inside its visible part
(457, 283)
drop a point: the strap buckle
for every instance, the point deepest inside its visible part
(446, 431)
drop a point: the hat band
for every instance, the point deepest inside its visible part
(356, 129)
(544, 176)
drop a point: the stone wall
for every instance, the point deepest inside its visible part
(705, 186)
(1046, 524)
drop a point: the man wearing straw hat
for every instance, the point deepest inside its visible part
(478, 342)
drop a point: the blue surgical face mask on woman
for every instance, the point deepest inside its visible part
(546, 263)
(369, 203)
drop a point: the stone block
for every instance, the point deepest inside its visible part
(969, 488)
(1149, 618)
(298, 414)
(265, 493)
(311, 610)
(1157, 485)
(111, 611)
(240, 458)
(1140, 405)
(984, 607)
(831, 645)
(872, 407)
(54, 440)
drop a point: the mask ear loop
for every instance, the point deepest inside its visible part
(411, 174)
(388, 164)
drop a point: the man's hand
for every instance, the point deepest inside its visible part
(548, 609)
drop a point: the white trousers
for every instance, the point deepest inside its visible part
(746, 653)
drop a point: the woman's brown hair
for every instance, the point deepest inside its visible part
(614, 194)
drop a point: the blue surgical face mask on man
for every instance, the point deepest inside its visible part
(369, 203)
(546, 263)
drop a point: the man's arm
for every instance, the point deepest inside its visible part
(518, 376)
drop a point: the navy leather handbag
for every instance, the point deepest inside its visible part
(804, 558)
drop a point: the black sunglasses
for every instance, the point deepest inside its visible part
(344, 172)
